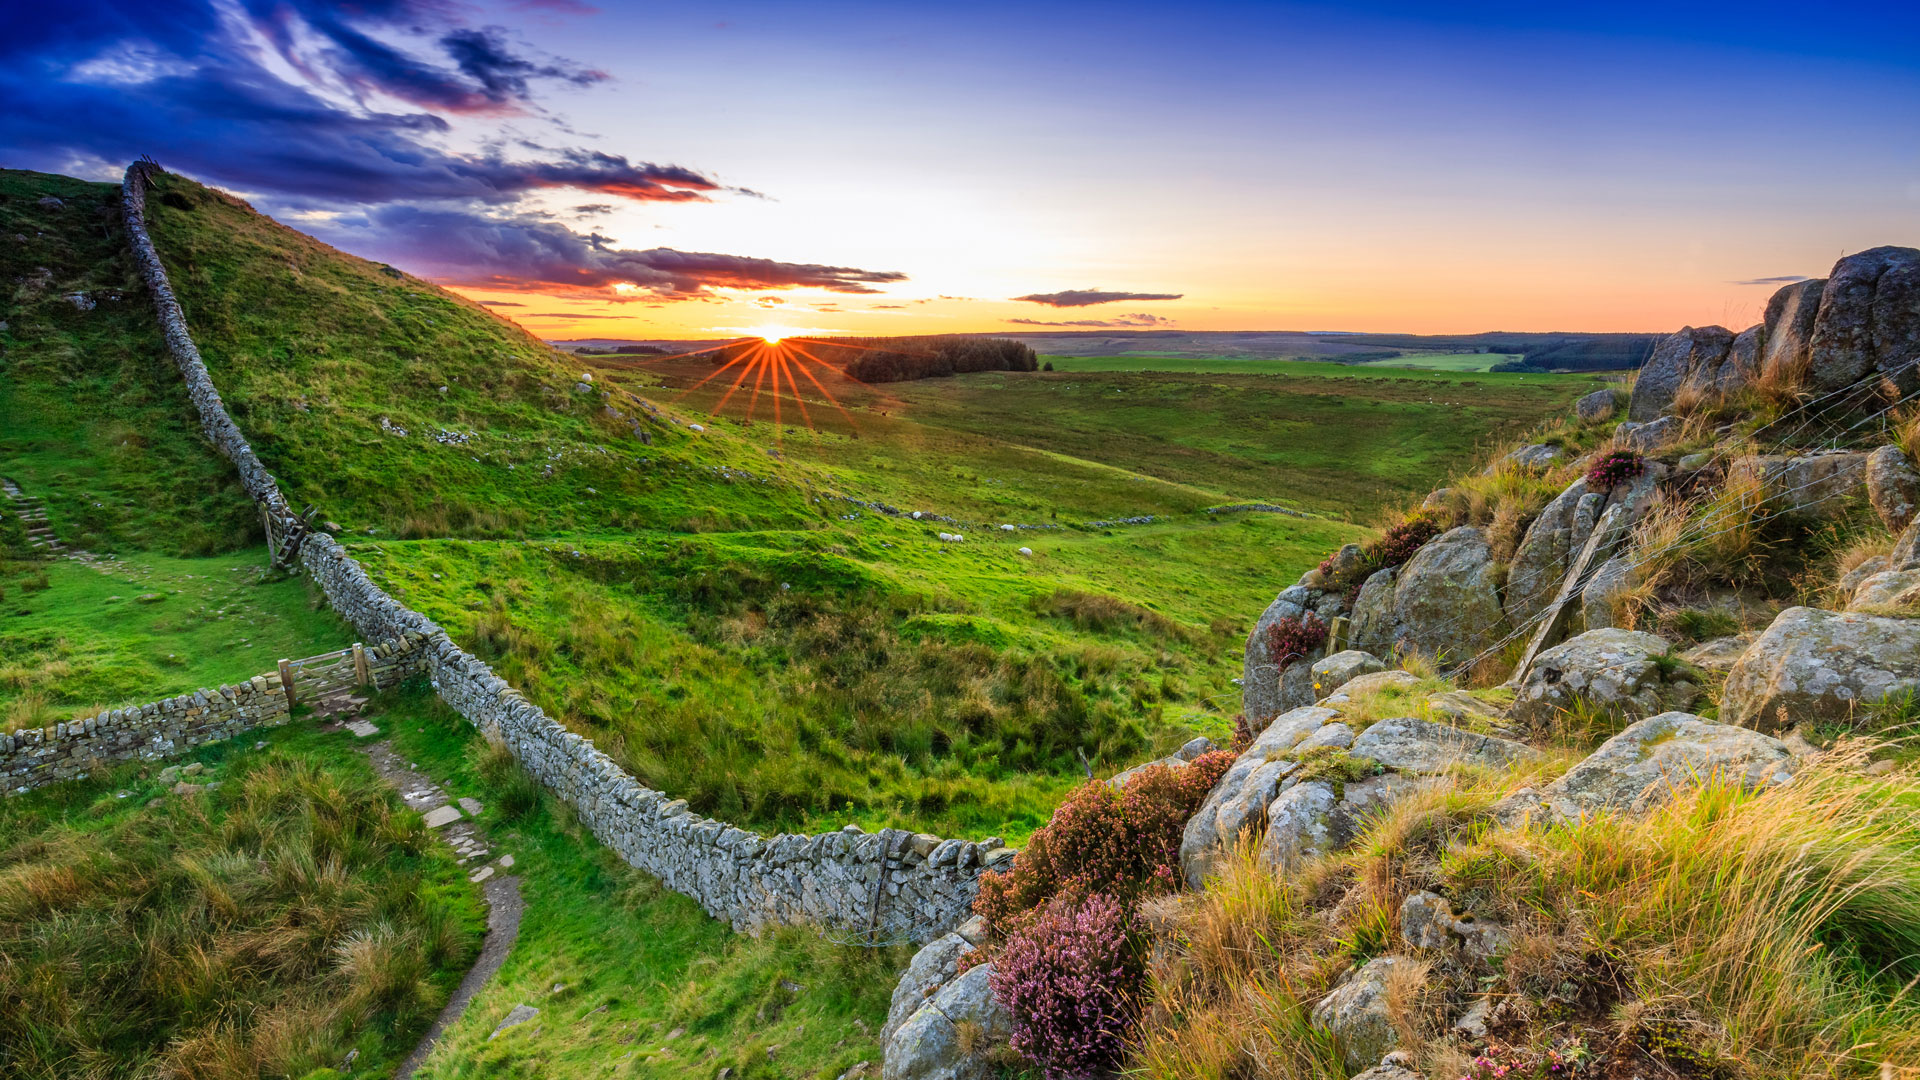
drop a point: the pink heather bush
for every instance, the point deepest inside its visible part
(1392, 548)
(1295, 637)
(1123, 844)
(1070, 979)
(1619, 467)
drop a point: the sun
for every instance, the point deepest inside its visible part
(774, 334)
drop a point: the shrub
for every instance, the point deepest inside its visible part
(1124, 844)
(1616, 468)
(1295, 638)
(1392, 548)
(1070, 980)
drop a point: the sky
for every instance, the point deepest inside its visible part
(704, 170)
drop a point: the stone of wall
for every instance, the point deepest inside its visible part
(160, 729)
(890, 886)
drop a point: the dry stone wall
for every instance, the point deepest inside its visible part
(890, 886)
(160, 729)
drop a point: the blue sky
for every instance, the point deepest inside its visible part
(879, 168)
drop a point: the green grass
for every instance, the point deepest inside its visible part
(1248, 365)
(267, 926)
(75, 639)
(1446, 361)
(650, 986)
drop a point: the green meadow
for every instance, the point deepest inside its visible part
(1235, 365)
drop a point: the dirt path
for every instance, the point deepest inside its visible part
(453, 823)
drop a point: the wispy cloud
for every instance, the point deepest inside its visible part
(1090, 297)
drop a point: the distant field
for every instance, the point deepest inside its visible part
(1446, 361)
(1269, 365)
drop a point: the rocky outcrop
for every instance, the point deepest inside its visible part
(1614, 671)
(1373, 682)
(1787, 331)
(1888, 592)
(1650, 437)
(1357, 1012)
(1271, 685)
(1892, 486)
(1692, 355)
(1428, 921)
(1238, 802)
(1820, 484)
(1642, 766)
(1606, 588)
(949, 1037)
(1533, 456)
(1318, 817)
(1422, 747)
(1594, 407)
(1540, 562)
(1445, 600)
(1334, 672)
(1820, 665)
(1869, 321)
(932, 967)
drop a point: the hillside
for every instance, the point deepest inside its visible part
(745, 615)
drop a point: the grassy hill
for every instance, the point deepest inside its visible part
(689, 585)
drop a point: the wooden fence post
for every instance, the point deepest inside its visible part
(286, 680)
(360, 674)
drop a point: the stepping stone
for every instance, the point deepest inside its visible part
(362, 728)
(480, 875)
(520, 1015)
(445, 815)
(506, 862)
(471, 806)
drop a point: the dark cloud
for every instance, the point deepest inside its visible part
(501, 303)
(1089, 297)
(1140, 319)
(107, 82)
(523, 252)
(593, 208)
(1783, 279)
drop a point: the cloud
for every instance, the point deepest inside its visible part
(285, 97)
(1089, 297)
(1783, 279)
(501, 303)
(522, 252)
(566, 315)
(1141, 319)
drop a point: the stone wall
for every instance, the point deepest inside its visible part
(160, 729)
(890, 886)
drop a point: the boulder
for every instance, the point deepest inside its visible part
(1428, 921)
(1462, 708)
(1869, 320)
(1742, 364)
(1179, 759)
(1651, 436)
(1361, 686)
(1332, 672)
(1446, 600)
(1335, 735)
(1851, 581)
(1594, 407)
(1892, 486)
(1357, 1014)
(1388, 1072)
(1613, 580)
(1720, 654)
(1788, 335)
(1533, 456)
(929, 1044)
(931, 968)
(1316, 817)
(1238, 802)
(1373, 612)
(1642, 766)
(1906, 550)
(1887, 591)
(1820, 483)
(1269, 688)
(1611, 670)
(1540, 562)
(1690, 355)
(1819, 665)
(1419, 746)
